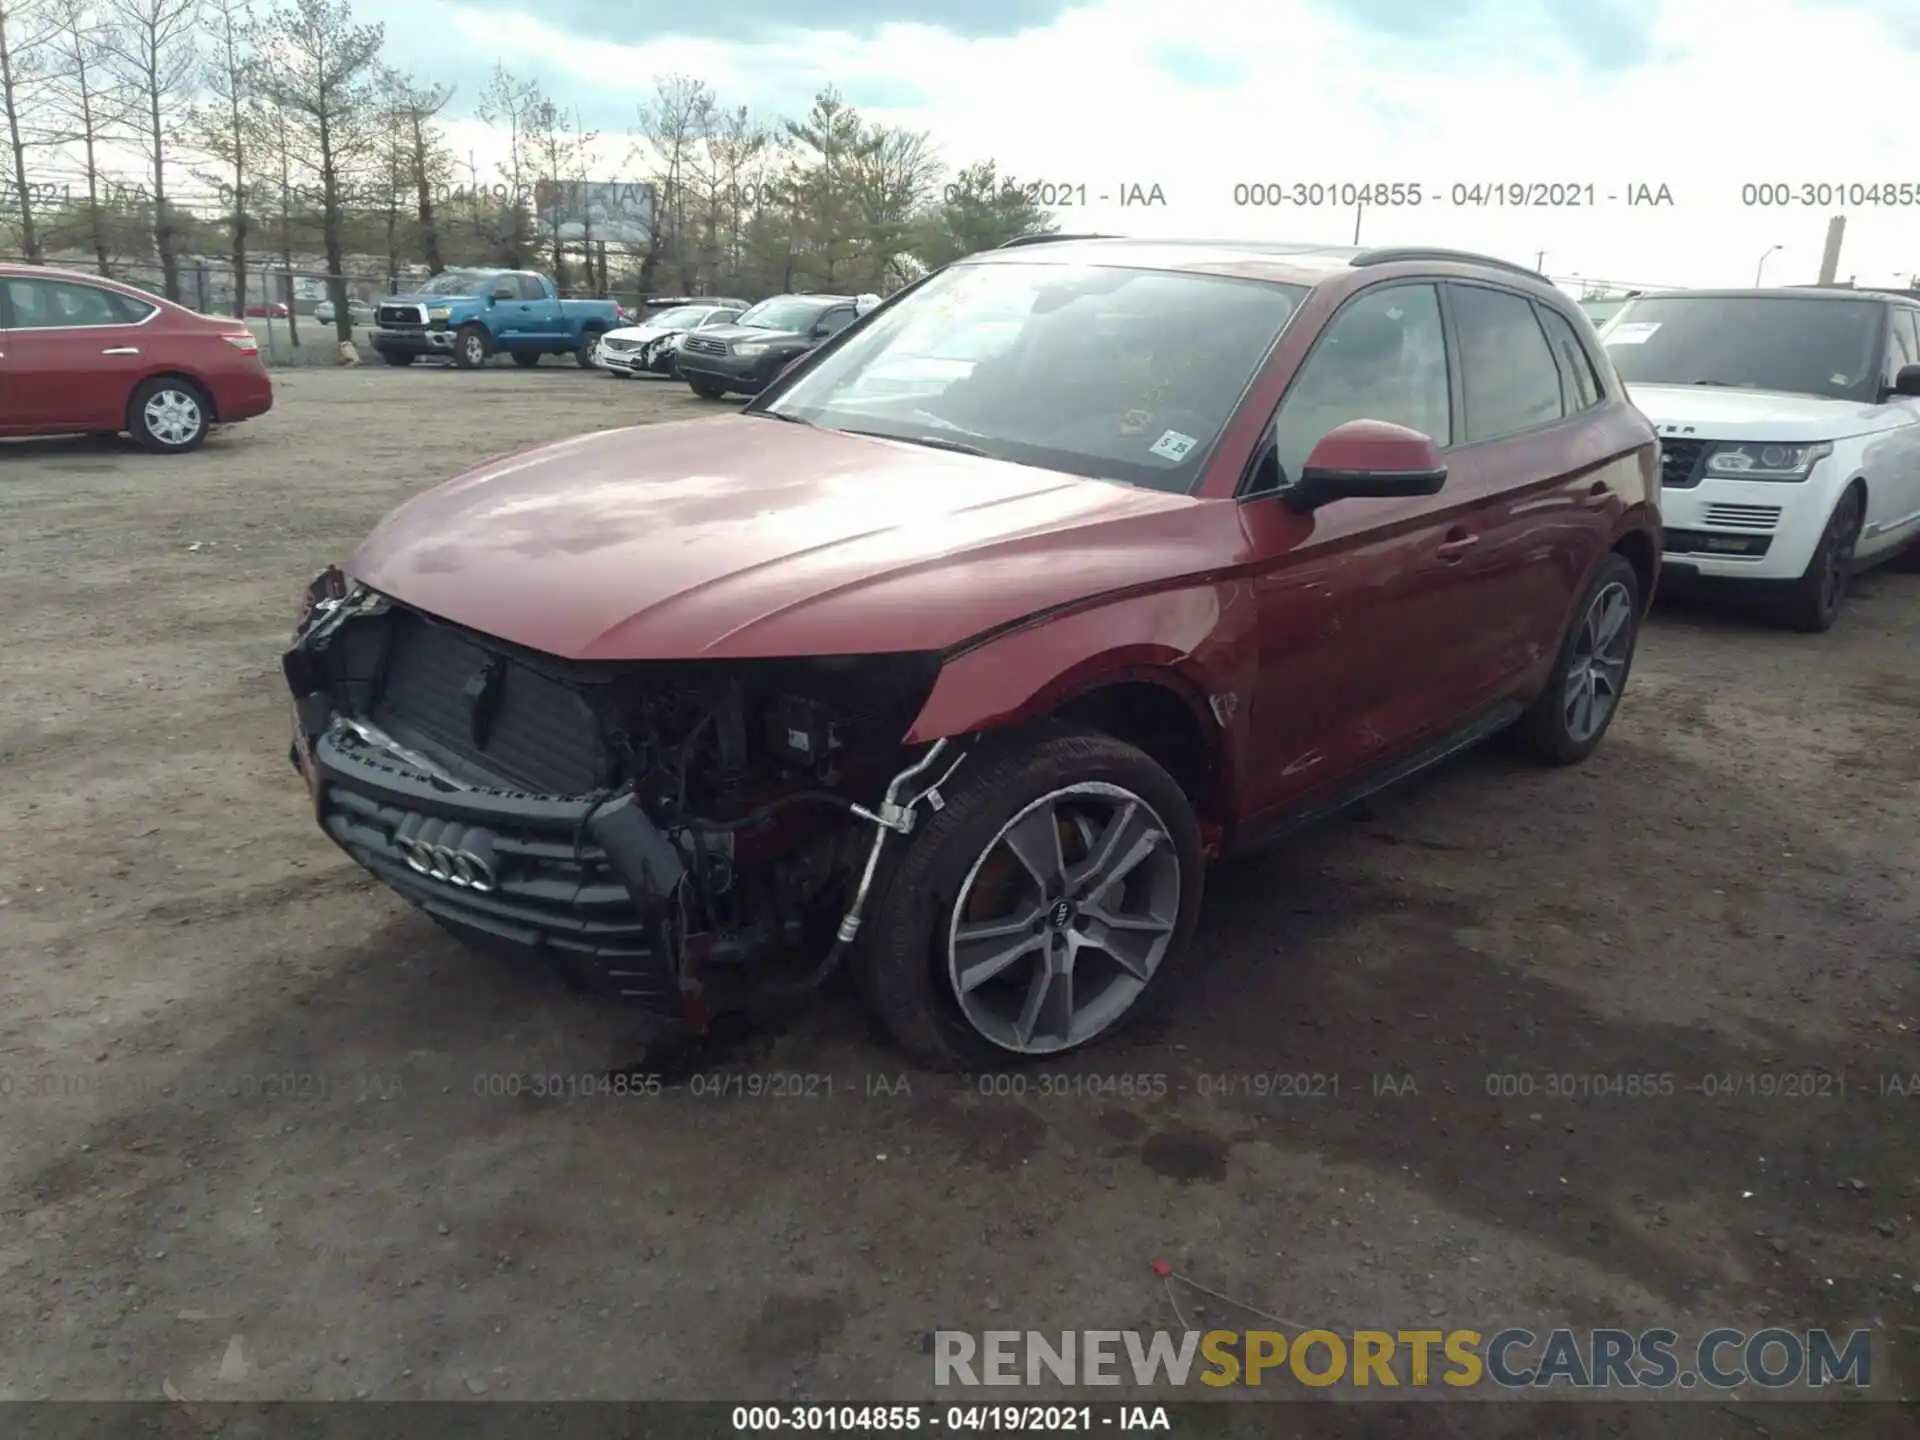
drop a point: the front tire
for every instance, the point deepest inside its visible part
(1569, 718)
(471, 348)
(1047, 906)
(169, 415)
(707, 390)
(1812, 603)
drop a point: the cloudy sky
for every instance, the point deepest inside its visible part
(1699, 96)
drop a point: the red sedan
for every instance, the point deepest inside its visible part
(80, 354)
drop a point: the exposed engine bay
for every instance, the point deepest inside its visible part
(739, 805)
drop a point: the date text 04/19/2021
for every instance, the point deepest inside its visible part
(949, 1419)
(1459, 194)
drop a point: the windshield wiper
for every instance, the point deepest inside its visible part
(931, 442)
(782, 415)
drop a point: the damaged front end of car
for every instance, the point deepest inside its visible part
(687, 835)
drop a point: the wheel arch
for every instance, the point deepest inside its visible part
(1153, 693)
(1639, 551)
(175, 372)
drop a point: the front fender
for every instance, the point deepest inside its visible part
(1199, 643)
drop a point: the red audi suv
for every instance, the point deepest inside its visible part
(958, 654)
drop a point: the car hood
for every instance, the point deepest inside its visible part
(746, 537)
(1711, 412)
(733, 334)
(640, 334)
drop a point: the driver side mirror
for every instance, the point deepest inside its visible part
(1906, 382)
(1366, 459)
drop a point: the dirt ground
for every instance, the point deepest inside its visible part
(255, 1145)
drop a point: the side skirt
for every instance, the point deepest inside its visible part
(1476, 733)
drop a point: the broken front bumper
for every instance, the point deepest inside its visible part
(584, 879)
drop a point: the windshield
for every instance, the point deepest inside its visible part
(683, 317)
(786, 313)
(1114, 373)
(455, 282)
(1829, 348)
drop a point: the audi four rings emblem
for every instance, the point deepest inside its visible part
(453, 864)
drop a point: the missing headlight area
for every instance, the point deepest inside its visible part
(679, 834)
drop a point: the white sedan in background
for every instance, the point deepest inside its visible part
(648, 348)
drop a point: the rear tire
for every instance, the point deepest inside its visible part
(169, 415)
(1569, 718)
(1063, 784)
(471, 348)
(1813, 602)
(393, 358)
(707, 390)
(526, 359)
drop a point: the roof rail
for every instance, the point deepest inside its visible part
(1044, 239)
(1461, 257)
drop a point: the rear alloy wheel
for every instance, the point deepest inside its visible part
(1813, 602)
(470, 348)
(169, 416)
(526, 359)
(1568, 719)
(1046, 906)
(588, 355)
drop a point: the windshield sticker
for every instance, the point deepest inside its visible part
(1633, 332)
(1173, 445)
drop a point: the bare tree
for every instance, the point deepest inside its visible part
(896, 177)
(558, 149)
(728, 171)
(673, 127)
(277, 137)
(23, 77)
(226, 124)
(322, 71)
(510, 102)
(153, 49)
(427, 162)
(89, 106)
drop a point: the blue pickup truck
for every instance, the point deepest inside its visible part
(469, 316)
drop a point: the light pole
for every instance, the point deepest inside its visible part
(1761, 267)
(1358, 211)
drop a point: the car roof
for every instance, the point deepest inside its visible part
(1811, 293)
(1285, 262)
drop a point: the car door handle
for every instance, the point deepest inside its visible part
(1455, 547)
(122, 350)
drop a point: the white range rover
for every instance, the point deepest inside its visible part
(1789, 424)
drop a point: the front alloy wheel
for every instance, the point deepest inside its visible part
(1048, 904)
(1813, 602)
(1064, 918)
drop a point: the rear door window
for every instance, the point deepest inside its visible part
(1508, 373)
(1582, 388)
